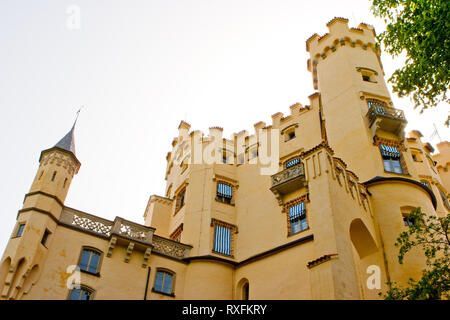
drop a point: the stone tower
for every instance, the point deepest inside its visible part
(365, 129)
(26, 252)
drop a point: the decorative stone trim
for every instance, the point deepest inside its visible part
(129, 252)
(170, 248)
(112, 244)
(147, 253)
(163, 200)
(60, 158)
(323, 144)
(221, 223)
(302, 198)
(388, 142)
(322, 259)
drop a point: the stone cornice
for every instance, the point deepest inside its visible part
(378, 179)
(322, 145)
(256, 257)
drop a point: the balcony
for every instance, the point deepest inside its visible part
(386, 119)
(121, 232)
(288, 180)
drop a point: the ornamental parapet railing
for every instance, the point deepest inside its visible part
(106, 228)
(288, 174)
(132, 231)
(171, 248)
(86, 222)
(386, 112)
(123, 229)
(287, 181)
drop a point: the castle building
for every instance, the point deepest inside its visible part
(317, 217)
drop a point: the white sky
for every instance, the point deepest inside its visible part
(139, 67)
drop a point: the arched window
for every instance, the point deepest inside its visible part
(90, 260)
(245, 291)
(83, 293)
(164, 281)
(242, 289)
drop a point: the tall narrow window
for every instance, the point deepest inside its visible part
(65, 182)
(222, 240)
(180, 199)
(164, 282)
(90, 261)
(53, 176)
(224, 192)
(82, 293)
(297, 218)
(391, 159)
(20, 230)
(245, 291)
(45, 237)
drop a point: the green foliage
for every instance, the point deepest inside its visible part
(421, 29)
(431, 234)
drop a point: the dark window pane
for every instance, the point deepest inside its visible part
(295, 226)
(75, 294)
(304, 223)
(84, 262)
(397, 166)
(167, 283)
(405, 221)
(20, 231)
(93, 265)
(85, 295)
(388, 165)
(159, 281)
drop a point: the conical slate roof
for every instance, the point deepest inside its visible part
(68, 141)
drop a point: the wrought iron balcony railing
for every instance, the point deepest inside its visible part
(387, 112)
(387, 119)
